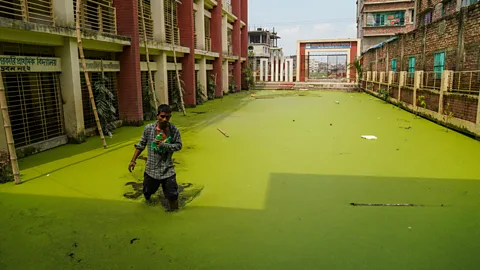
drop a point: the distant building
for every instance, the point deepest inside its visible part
(262, 44)
(377, 21)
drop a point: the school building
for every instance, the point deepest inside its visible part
(46, 92)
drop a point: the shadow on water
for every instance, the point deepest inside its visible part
(197, 118)
(307, 222)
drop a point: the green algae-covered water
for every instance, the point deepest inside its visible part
(276, 193)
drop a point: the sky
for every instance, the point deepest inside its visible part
(304, 19)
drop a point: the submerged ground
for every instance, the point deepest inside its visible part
(276, 194)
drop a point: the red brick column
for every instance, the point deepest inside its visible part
(237, 44)
(129, 80)
(301, 62)
(216, 30)
(244, 41)
(187, 39)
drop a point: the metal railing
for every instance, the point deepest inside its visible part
(175, 38)
(432, 80)
(208, 44)
(410, 79)
(35, 11)
(34, 104)
(467, 82)
(395, 78)
(98, 15)
(147, 14)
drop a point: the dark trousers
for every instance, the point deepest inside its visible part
(169, 187)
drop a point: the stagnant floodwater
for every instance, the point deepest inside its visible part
(276, 194)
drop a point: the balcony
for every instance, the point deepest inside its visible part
(98, 15)
(34, 11)
(208, 44)
(172, 37)
(147, 16)
(227, 6)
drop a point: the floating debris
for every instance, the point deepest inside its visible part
(223, 132)
(369, 137)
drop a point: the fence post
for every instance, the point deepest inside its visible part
(401, 83)
(445, 83)
(416, 85)
(478, 114)
(382, 76)
(374, 79)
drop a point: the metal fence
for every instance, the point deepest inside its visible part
(467, 82)
(432, 80)
(98, 15)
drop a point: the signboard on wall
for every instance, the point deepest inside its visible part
(96, 65)
(328, 45)
(12, 63)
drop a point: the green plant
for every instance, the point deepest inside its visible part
(357, 64)
(176, 98)
(384, 94)
(201, 98)
(420, 102)
(211, 86)
(232, 86)
(447, 115)
(249, 78)
(6, 174)
(104, 100)
(149, 110)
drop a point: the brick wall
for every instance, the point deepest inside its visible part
(462, 106)
(431, 99)
(216, 27)
(440, 36)
(129, 79)
(406, 95)
(187, 39)
(237, 44)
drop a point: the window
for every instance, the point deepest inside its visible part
(411, 67)
(438, 64)
(428, 18)
(412, 15)
(469, 2)
(394, 65)
(394, 18)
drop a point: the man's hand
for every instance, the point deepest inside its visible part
(131, 166)
(158, 143)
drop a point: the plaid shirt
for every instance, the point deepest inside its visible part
(160, 165)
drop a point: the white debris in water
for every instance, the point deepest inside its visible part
(338, 102)
(48, 174)
(409, 228)
(369, 137)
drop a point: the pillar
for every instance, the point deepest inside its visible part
(187, 39)
(417, 82)
(244, 39)
(282, 65)
(447, 76)
(129, 79)
(64, 13)
(161, 78)
(217, 46)
(237, 44)
(158, 16)
(401, 83)
(226, 79)
(202, 75)
(200, 24)
(272, 66)
(71, 89)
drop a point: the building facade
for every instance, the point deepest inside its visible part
(46, 92)
(378, 20)
(262, 44)
(434, 69)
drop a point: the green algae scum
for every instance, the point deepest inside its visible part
(276, 194)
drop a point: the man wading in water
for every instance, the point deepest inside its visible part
(160, 169)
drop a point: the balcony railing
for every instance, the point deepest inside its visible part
(227, 6)
(35, 11)
(208, 44)
(147, 14)
(175, 38)
(229, 51)
(98, 15)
